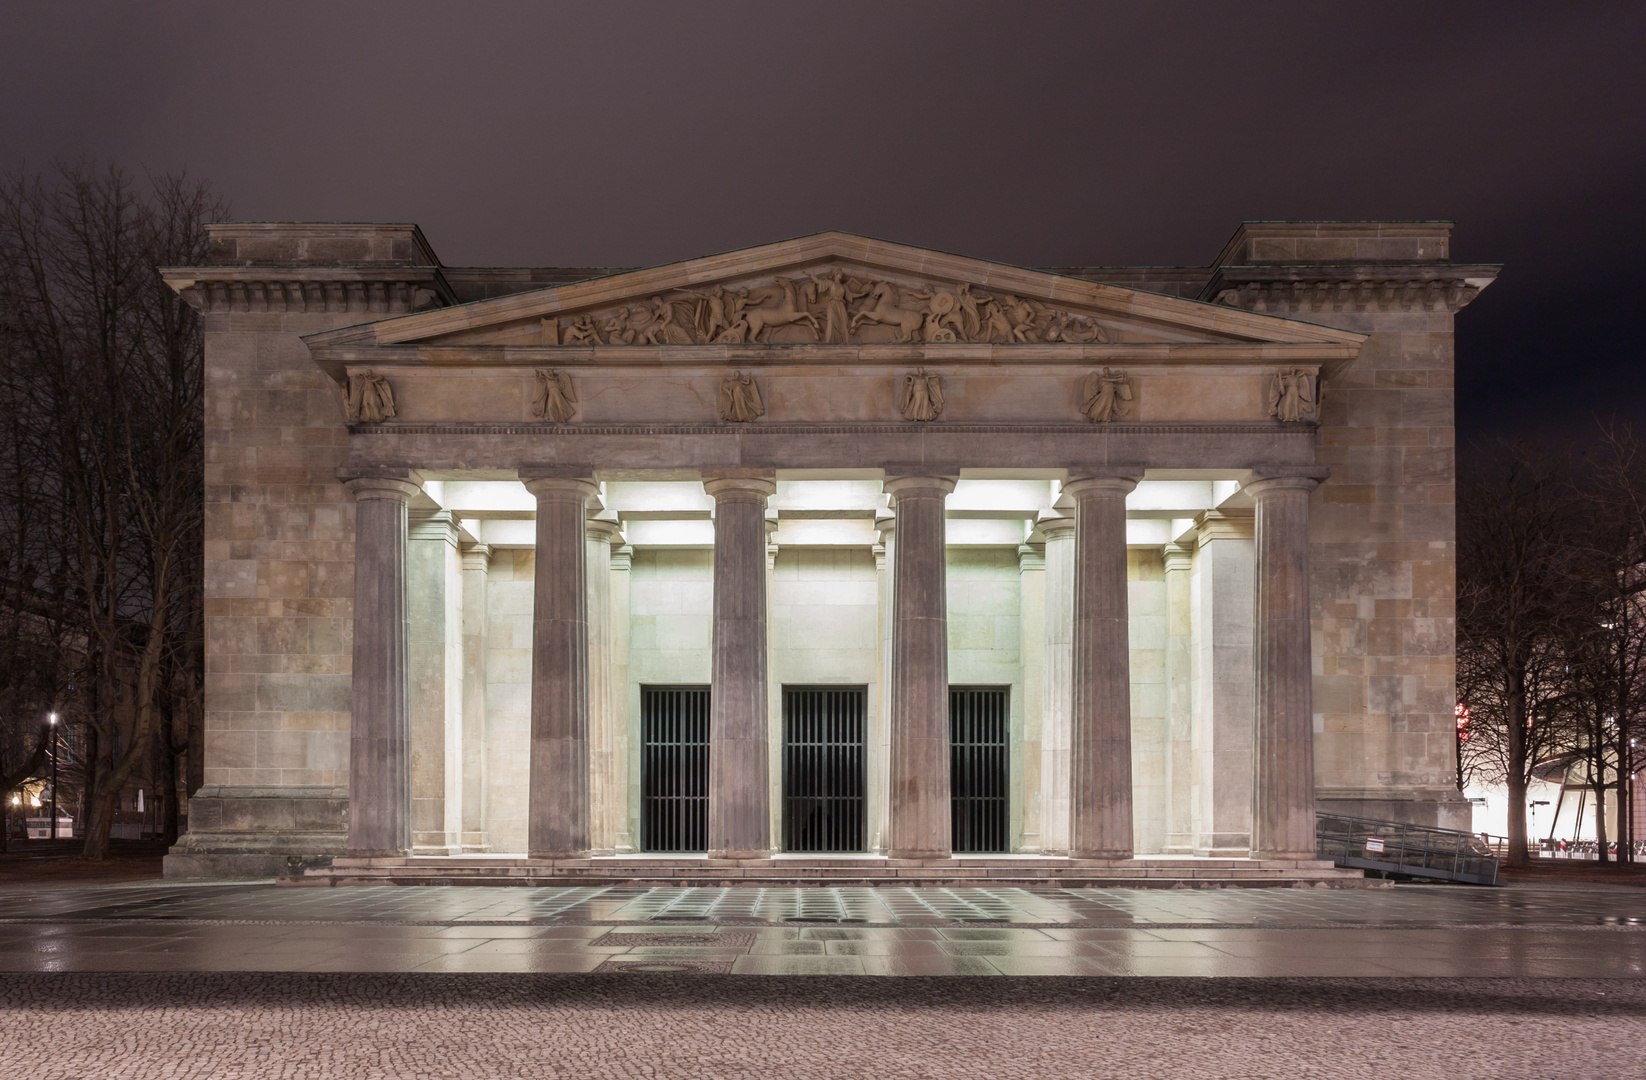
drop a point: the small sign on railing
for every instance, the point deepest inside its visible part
(1374, 843)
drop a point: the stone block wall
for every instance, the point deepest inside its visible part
(1383, 527)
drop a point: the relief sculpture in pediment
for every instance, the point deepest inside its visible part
(830, 305)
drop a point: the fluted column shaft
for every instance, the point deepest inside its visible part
(739, 799)
(1101, 751)
(476, 568)
(1283, 812)
(380, 719)
(1055, 729)
(557, 814)
(921, 823)
(604, 804)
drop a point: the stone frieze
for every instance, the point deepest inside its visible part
(832, 305)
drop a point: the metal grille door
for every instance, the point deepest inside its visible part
(823, 768)
(674, 768)
(979, 768)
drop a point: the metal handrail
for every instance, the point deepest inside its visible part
(1399, 847)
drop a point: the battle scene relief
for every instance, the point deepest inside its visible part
(830, 305)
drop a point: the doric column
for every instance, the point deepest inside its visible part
(920, 813)
(557, 815)
(1225, 693)
(1178, 561)
(879, 752)
(739, 771)
(379, 725)
(1283, 814)
(435, 666)
(476, 569)
(1031, 634)
(1101, 767)
(1055, 728)
(603, 804)
(624, 785)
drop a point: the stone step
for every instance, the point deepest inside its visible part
(1025, 871)
(1345, 882)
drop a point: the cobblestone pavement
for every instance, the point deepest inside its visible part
(1419, 931)
(297, 1027)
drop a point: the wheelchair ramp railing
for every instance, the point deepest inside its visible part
(1394, 847)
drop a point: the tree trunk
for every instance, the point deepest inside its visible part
(1518, 768)
(165, 787)
(99, 819)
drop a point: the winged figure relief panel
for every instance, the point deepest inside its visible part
(829, 305)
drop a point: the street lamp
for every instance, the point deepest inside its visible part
(53, 720)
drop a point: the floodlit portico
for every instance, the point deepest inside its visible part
(832, 552)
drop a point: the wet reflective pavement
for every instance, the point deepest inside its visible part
(1410, 931)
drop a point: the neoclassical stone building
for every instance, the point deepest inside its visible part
(827, 547)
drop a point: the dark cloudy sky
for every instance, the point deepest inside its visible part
(1035, 133)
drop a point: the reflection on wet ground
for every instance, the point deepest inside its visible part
(1409, 931)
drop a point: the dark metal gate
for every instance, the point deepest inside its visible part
(674, 768)
(979, 768)
(823, 768)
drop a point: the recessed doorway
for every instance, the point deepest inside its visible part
(980, 768)
(823, 781)
(674, 768)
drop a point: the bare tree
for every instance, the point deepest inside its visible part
(1515, 512)
(104, 365)
(1612, 662)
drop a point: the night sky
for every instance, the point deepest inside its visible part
(1037, 134)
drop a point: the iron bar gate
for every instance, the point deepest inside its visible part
(823, 781)
(674, 768)
(979, 768)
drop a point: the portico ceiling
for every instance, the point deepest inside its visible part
(826, 513)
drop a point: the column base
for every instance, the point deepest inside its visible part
(1233, 852)
(1108, 856)
(935, 853)
(1299, 856)
(583, 854)
(750, 853)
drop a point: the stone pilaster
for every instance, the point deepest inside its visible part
(1225, 693)
(476, 568)
(1283, 818)
(739, 748)
(435, 667)
(557, 819)
(1178, 561)
(1057, 716)
(920, 814)
(1101, 742)
(605, 807)
(1031, 615)
(379, 733)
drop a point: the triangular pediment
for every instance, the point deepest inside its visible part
(832, 288)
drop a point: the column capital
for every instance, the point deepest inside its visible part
(1177, 557)
(740, 484)
(1270, 478)
(1055, 527)
(622, 557)
(433, 525)
(1031, 557)
(917, 486)
(380, 484)
(1224, 525)
(600, 529)
(477, 557)
(1089, 485)
(565, 487)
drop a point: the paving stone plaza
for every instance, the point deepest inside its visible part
(254, 980)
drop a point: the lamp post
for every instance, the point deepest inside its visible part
(53, 720)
